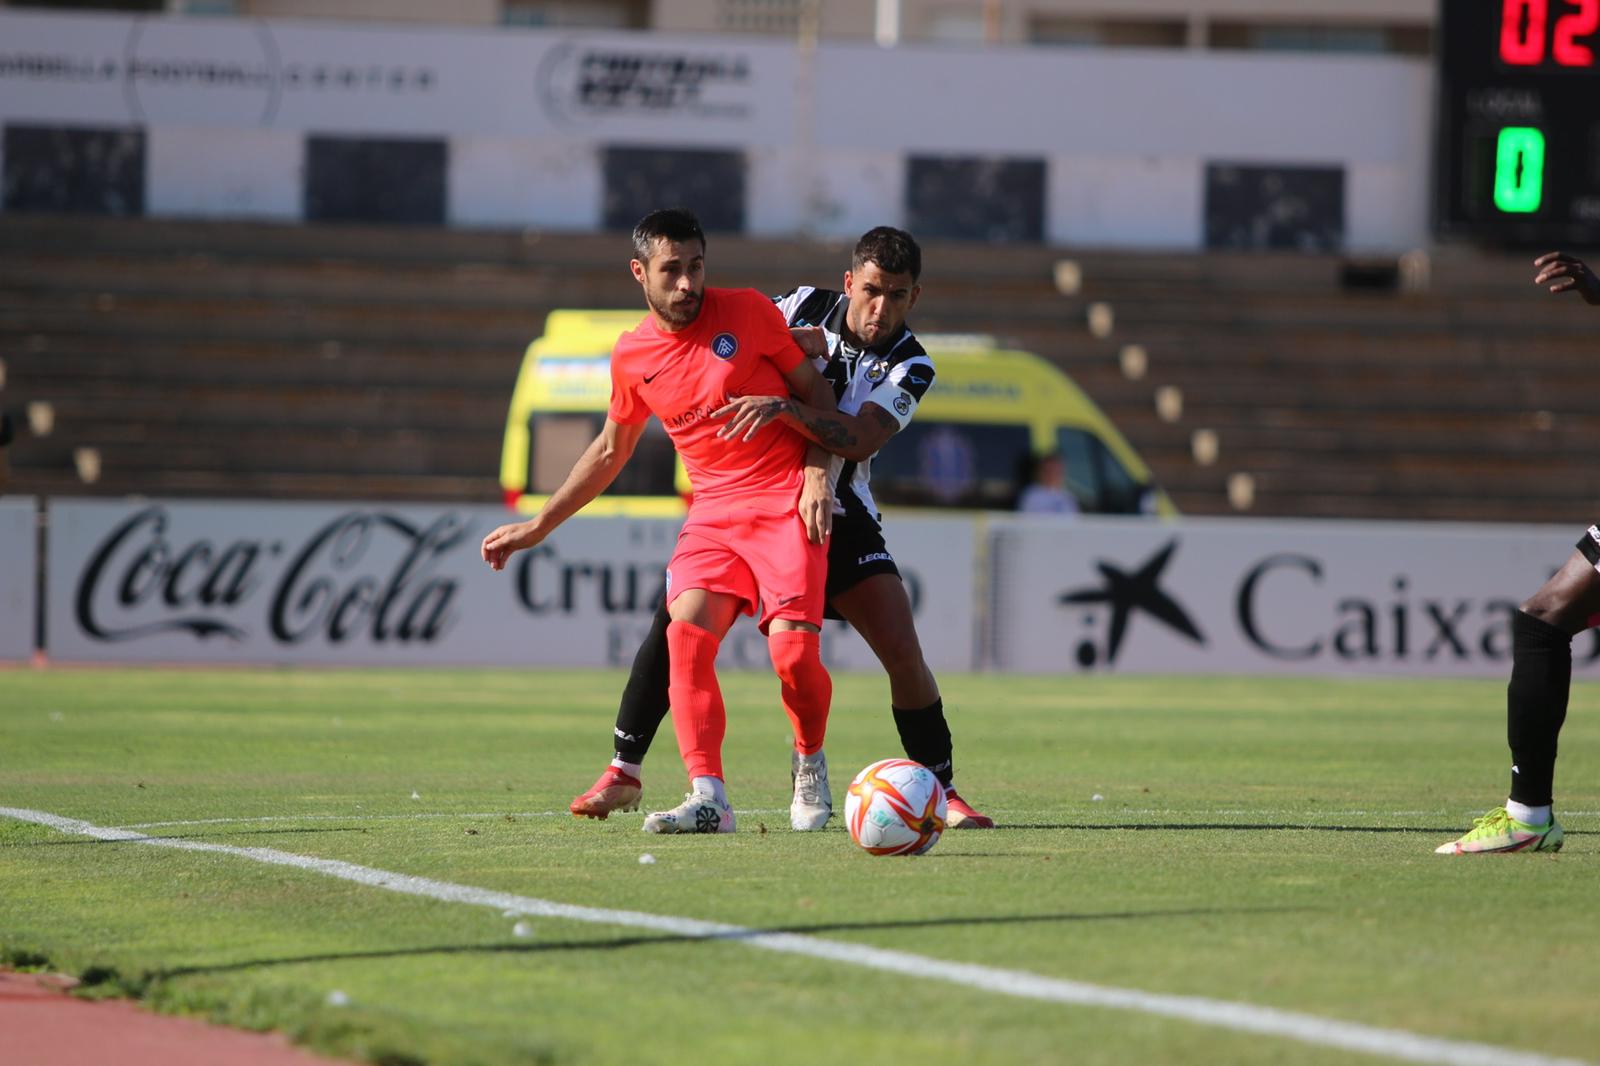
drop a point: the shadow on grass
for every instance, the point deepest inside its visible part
(622, 942)
(1453, 830)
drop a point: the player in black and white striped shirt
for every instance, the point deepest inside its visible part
(879, 372)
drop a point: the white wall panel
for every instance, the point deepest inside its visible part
(1386, 208)
(18, 577)
(228, 173)
(1142, 202)
(508, 182)
(837, 195)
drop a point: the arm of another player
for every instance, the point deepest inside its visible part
(596, 469)
(855, 437)
(1567, 273)
(816, 494)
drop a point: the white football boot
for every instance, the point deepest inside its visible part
(698, 813)
(812, 805)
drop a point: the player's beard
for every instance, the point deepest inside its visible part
(869, 332)
(677, 309)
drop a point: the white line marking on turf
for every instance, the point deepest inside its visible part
(1244, 1017)
(1307, 818)
(357, 817)
(362, 817)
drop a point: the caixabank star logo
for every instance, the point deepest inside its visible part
(1126, 594)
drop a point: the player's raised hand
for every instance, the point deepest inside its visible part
(747, 414)
(500, 545)
(1567, 273)
(811, 340)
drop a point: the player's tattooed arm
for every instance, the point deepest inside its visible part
(811, 411)
(830, 429)
(855, 437)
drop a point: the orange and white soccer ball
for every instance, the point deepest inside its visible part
(895, 807)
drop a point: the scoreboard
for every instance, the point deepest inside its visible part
(1518, 139)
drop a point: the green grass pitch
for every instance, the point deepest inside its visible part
(1255, 841)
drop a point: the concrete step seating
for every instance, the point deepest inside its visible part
(330, 362)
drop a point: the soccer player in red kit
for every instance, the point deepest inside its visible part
(756, 532)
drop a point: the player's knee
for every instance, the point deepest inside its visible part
(692, 650)
(901, 656)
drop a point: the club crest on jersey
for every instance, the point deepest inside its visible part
(902, 404)
(877, 371)
(724, 346)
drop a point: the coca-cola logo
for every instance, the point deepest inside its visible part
(364, 574)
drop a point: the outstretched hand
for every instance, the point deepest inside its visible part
(1567, 273)
(500, 545)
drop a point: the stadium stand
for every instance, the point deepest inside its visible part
(265, 361)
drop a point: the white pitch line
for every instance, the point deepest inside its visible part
(1308, 818)
(356, 817)
(361, 817)
(1243, 1017)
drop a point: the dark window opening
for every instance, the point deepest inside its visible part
(1100, 482)
(951, 464)
(557, 440)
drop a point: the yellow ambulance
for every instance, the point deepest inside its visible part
(990, 412)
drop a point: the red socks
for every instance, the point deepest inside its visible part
(698, 716)
(807, 688)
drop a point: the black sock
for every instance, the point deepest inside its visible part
(926, 737)
(644, 700)
(1536, 705)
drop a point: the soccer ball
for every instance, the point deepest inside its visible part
(895, 807)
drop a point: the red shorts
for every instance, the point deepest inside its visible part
(760, 557)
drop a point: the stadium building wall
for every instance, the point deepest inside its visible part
(297, 121)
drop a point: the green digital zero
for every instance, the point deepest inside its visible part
(1519, 170)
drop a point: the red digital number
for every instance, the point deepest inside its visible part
(1522, 32)
(1522, 25)
(1581, 23)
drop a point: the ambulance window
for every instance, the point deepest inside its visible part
(951, 464)
(1096, 477)
(556, 441)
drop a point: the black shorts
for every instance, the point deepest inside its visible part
(1588, 544)
(855, 553)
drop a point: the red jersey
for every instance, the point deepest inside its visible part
(739, 345)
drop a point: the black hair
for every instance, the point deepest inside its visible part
(675, 224)
(894, 250)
